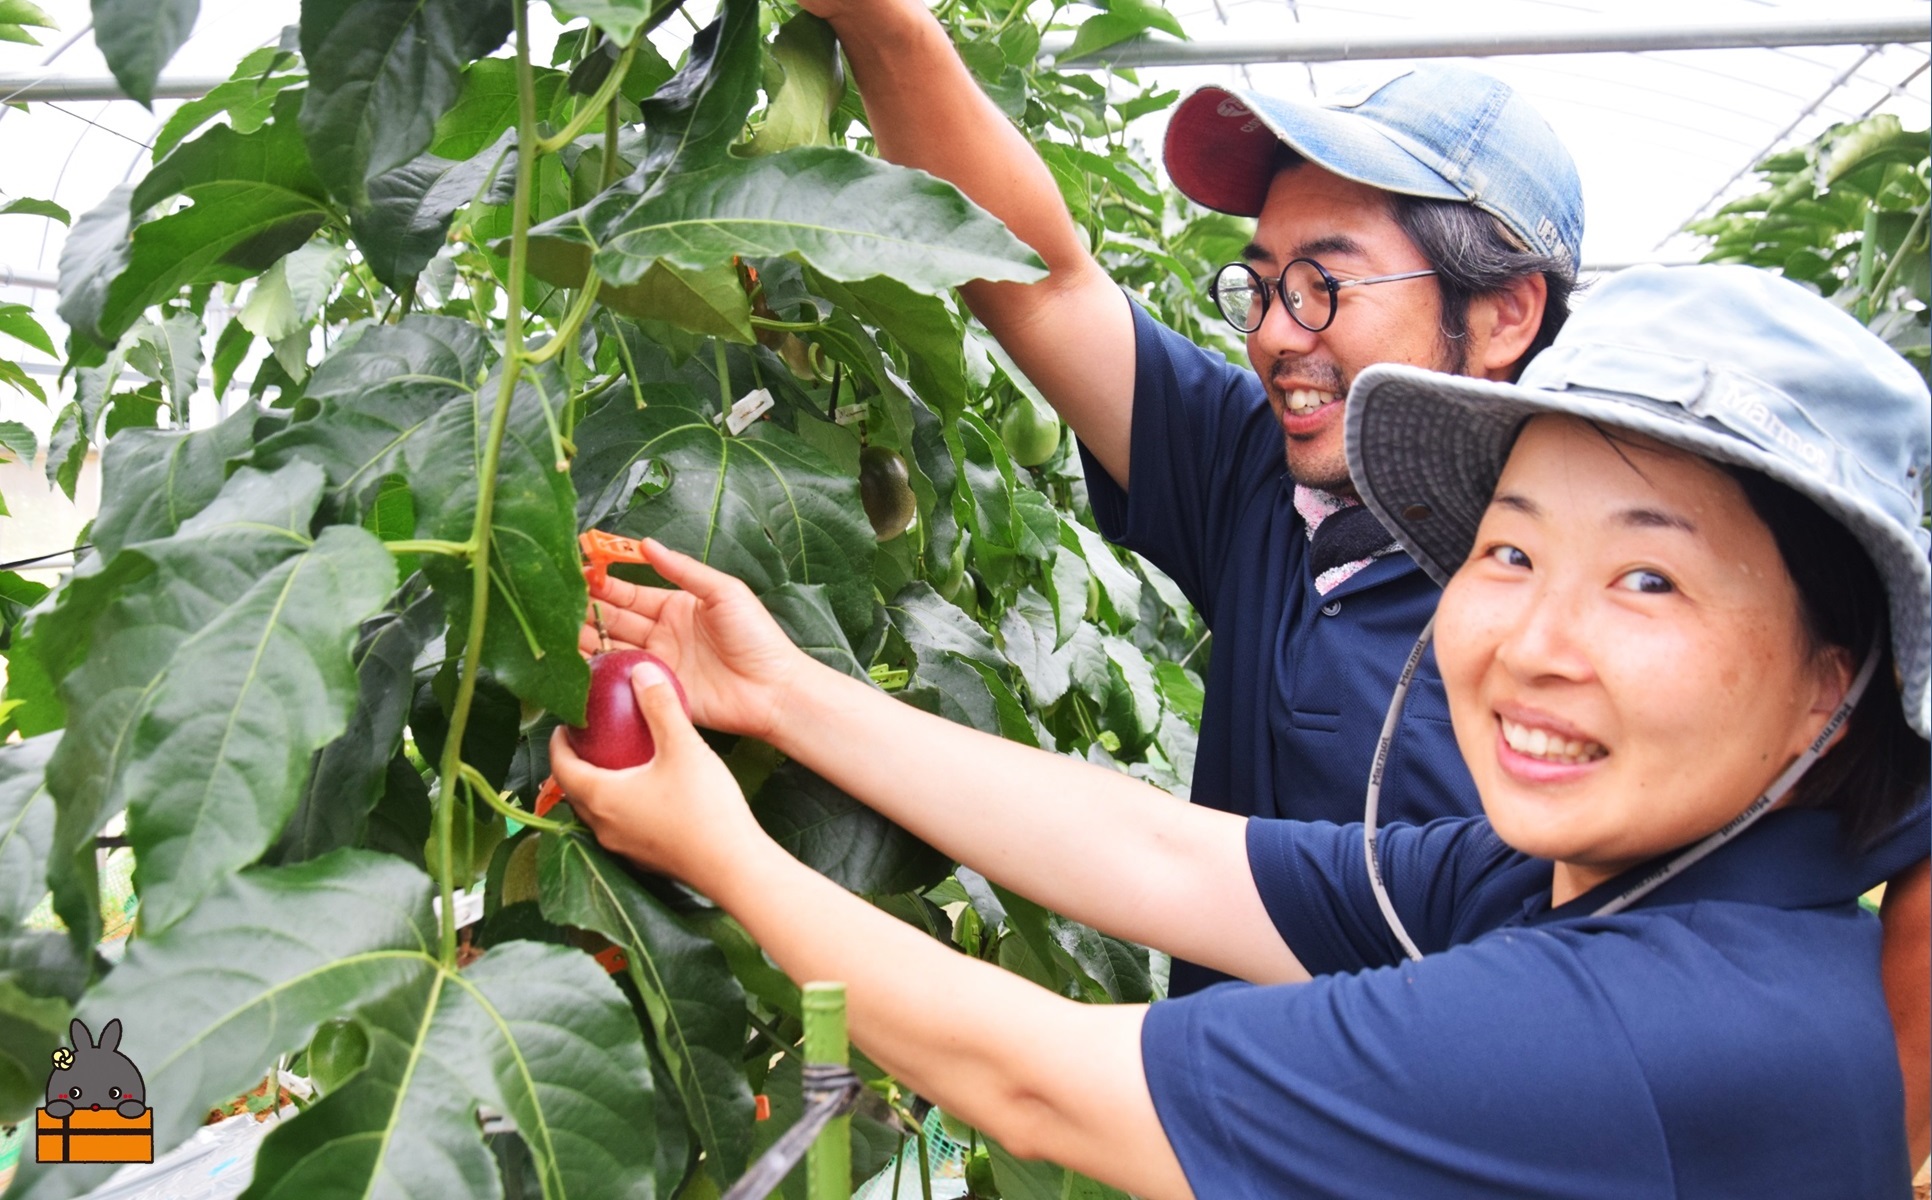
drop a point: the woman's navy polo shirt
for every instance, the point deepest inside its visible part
(1726, 1036)
(1298, 682)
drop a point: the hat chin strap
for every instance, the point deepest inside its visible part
(1654, 879)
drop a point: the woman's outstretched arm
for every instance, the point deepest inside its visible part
(1090, 843)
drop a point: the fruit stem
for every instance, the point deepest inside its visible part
(450, 769)
(603, 635)
(481, 789)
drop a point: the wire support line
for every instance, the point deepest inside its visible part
(28, 562)
(1777, 140)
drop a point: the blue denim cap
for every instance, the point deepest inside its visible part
(1730, 363)
(1435, 130)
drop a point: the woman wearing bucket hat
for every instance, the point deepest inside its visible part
(1685, 642)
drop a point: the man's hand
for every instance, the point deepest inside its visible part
(736, 664)
(681, 813)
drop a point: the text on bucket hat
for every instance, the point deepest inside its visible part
(1730, 363)
(1435, 130)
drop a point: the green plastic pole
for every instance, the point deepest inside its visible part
(828, 1165)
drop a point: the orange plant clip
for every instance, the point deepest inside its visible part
(601, 549)
(548, 795)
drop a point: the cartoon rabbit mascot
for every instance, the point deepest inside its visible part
(94, 1074)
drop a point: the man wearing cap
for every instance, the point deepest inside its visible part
(1434, 221)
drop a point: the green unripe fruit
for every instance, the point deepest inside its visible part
(980, 1183)
(1030, 437)
(338, 1050)
(954, 580)
(885, 488)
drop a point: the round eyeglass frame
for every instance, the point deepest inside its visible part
(1269, 288)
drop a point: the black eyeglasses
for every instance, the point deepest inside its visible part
(1305, 285)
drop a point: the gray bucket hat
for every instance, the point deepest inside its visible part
(1731, 363)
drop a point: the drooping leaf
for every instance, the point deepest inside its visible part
(410, 207)
(693, 119)
(923, 325)
(1028, 631)
(16, 16)
(41, 976)
(153, 479)
(217, 667)
(18, 440)
(26, 827)
(283, 969)
(380, 74)
(169, 351)
(696, 1007)
(1119, 588)
(805, 614)
(800, 112)
(708, 302)
(91, 260)
(347, 779)
(763, 506)
(849, 216)
(842, 839)
(138, 37)
(292, 291)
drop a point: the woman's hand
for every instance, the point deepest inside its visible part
(681, 813)
(736, 664)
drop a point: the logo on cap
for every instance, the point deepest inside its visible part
(1231, 107)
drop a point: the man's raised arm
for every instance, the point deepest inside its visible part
(1072, 333)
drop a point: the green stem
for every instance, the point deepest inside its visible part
(758, 322)
(450, 769)
(481, 789)
(428, 546)
(1898, 256)
(573, 321)
(591, 108)
(609, 175)
(724, 376)
(771, 1035)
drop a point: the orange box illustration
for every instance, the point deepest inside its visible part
(85, 1135)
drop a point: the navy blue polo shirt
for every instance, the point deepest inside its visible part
(1727, 1035)
(1298, 682)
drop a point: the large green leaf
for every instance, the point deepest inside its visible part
(923, 325)
(41, 976)
(763, 506)
(138, 37)
(349, 773)
(153, 480)
(380, 74)
(697, 114)
(408, 215)
(536, 1032)
(207, 1006)
(218, 664)
(537, 593)
(849, 216)
(696, 1007)
(26, 827)
(377, 391)
(710, 302)
(842, 839)
(254, 196)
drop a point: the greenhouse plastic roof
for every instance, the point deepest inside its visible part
(1660, 137)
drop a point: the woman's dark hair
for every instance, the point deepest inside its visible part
(1877, 772)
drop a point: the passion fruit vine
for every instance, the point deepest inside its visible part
(614, 735)
(885, 488)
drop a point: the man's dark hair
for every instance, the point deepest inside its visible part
(1475, 256)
